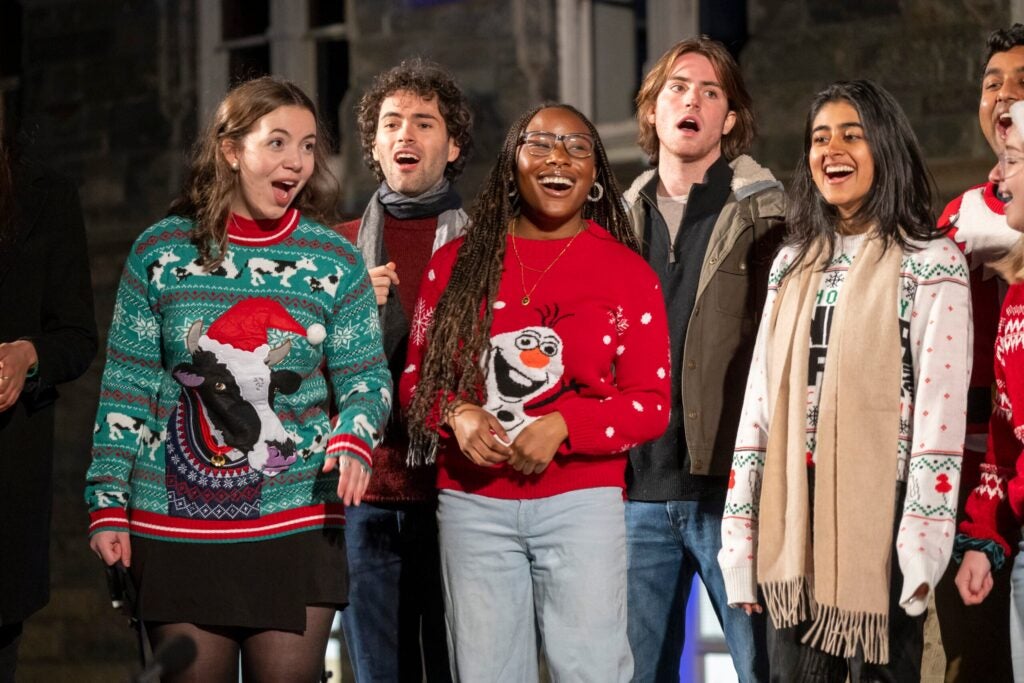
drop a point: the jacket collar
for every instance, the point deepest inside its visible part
(748, 178)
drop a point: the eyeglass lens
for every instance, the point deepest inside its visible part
(539, 143)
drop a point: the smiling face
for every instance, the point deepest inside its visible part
(412, 144)
(553, 187)
(1009, 175)
(1001, 86)
(840, 158)
(692, 112)
(273, 162)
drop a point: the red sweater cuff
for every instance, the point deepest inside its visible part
(108, 519)
(351, 447)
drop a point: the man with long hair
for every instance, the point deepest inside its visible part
(709, 218)
(976, 637)
(415, 126)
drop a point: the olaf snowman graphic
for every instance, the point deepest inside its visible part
(523, 365)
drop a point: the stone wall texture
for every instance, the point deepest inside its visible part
(109, 95)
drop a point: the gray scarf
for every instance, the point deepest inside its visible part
(441, 201)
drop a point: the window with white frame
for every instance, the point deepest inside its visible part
(305, 41)
(605, 47)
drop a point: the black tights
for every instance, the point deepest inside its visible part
(267, 656)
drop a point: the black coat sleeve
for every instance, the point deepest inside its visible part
(66, 341)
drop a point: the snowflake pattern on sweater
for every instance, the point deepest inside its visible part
(935, 319)
(212, 423)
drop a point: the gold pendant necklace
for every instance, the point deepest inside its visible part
(527, 293)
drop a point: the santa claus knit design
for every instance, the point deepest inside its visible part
(934, 310)
(230, 362)
(591, 344)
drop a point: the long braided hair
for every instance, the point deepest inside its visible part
(458, 343)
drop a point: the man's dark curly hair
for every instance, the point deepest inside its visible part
(428, 80)
(1004, 40)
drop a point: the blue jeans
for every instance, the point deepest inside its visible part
(667, 543)
(1017, 615)
(549, 571)
(394, 594)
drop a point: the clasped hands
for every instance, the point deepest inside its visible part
(16, 360)
(483, 440)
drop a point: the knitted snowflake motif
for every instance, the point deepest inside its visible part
(143, 327)
(834, 279)
(422, 317)
(344, 336)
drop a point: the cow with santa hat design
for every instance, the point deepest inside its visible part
(224, 432)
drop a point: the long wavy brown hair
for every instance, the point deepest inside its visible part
(211, 183)
(460, 336)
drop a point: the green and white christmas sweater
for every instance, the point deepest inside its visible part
(212, 423)
(934, 310)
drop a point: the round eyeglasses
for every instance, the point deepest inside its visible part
(540, 143)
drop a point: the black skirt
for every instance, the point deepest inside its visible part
(258, 584)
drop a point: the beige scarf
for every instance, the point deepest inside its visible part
(838, 574)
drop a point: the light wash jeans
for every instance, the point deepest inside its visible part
(522, 573)
(669, 542)
(1017, 615)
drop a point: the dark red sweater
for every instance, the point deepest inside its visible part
(592, 344)
(408, 243)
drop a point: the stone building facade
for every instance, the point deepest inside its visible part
(112, 92)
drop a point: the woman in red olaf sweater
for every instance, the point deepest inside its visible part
(538, 357)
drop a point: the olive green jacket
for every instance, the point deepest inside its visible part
(730, 296)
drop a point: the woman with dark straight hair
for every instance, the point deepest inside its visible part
(538, 355)
(843, 491)
(218, 478)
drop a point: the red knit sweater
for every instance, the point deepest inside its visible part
(408, 243)
(591, 344)
(995, 508)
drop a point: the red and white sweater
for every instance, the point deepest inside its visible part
(935, 320)
(995, 507)
(591, 344)
(977, 224)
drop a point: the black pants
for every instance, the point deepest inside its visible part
(10, 637)
(791, 660)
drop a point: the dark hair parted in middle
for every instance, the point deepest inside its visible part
(728, 71)
(899, 202)
(428, 80)
(460, 336)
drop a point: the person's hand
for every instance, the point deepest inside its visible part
(537, 444)
(750, 608)
(974, 579)
(382, 278)
(353, 478)
(481, 437)
(15, 360)
(111, 546)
